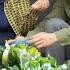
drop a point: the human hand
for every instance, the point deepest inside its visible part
(43, 39)
(12, 41)
(40, 5)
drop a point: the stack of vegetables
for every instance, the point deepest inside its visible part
(22, 56)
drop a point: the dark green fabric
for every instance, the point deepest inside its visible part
(58, 11)
(61, 9)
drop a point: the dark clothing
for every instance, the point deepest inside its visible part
(6, 31)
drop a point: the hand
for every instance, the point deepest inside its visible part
(43, 39)
(11, 41)
(40, 5)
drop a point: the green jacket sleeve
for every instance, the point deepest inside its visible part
(58, 11)
(63, 36)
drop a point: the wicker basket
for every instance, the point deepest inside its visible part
(20, 15)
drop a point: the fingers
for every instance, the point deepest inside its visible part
(35, 36)
(41, 45)
(40, 5)
(36, 6)
(34, 40)
(38, 43)
(44, 4)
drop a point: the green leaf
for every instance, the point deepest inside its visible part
(52, 61)
(42, 60)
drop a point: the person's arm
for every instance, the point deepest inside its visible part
(58, 11)
(44, 39)
(63, 36)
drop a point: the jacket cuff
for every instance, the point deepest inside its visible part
(63, 36)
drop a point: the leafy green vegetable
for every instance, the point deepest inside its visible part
(25, 57)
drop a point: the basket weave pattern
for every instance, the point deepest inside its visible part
(20, 15)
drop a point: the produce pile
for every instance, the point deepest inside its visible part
(22, 56)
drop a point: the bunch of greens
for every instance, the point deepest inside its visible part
(25, 57)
